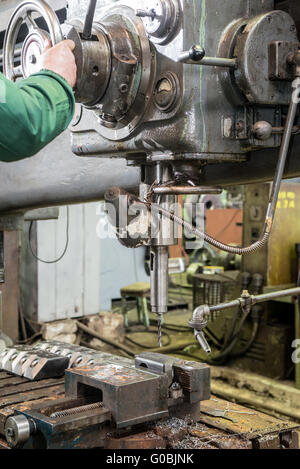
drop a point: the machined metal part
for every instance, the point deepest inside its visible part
(159, 257)
(18, 430)
(151, 378)
(156, 363)
(5, 356)
(33, 363)
(45, 365)
(13, 358)
(130, 84)
(161, 19)
(166, 93)
(252, 50)
(93, 61)
(76, 410)
(159, 244)
(127, 385)
(186, 190)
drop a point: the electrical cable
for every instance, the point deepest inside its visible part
(250, 342)
(93, 333)
(165, 349)
(232, 327)
(66, 245)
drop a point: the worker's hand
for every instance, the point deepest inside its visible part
(60, 59)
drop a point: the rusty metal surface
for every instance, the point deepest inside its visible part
(4, 375)
(242, 421)
(223, 425)
(30, 395)
(178, 433)
(219, 439)
(121, 389)
(18, 394)
(144, 440)
(17, 387)
(3, 444)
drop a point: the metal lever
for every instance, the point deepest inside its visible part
(147, 14)
(196, 56)
(89, 19)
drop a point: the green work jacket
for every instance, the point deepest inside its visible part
(33, 112)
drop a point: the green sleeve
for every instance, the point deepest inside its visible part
(33, 112)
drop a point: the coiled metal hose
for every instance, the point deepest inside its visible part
(273, 197)
(209, 239)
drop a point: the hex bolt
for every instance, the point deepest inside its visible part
(32, 59)
(10, 432)
(175, 386)
(147, 14)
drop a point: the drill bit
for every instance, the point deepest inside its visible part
(160, 321)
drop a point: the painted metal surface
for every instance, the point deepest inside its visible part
(43, 181)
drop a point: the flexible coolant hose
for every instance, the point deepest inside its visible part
(273, 198)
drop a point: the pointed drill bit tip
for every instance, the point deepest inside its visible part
(159, 320)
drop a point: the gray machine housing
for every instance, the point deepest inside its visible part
(214, 108)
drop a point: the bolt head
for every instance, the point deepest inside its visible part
(32, 59)
(10, 432)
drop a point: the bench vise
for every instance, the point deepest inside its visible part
(106, 395)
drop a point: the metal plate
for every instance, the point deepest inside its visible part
(252, 49)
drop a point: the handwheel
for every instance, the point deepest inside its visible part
(33, 44)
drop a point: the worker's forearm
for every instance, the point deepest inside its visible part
(32, 113)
